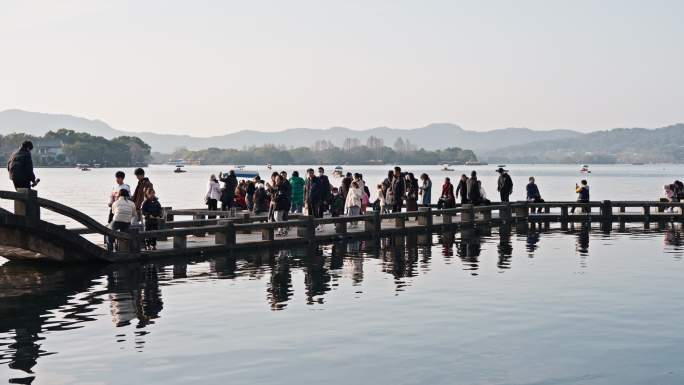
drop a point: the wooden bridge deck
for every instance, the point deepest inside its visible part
(23, 228)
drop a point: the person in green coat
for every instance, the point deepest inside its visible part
(297, 188)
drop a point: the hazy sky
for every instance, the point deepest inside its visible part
(212, 67)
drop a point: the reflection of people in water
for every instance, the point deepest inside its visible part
(29, 298)
(134, 293)
(279, 290)
(469, 249)
(317, 278)
(504, 248)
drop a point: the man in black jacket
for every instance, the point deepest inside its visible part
(398, 189)
(312, 194)
(20, 167)
(230, 183)
(504, 185)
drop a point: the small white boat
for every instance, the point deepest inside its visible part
(268, 166)
(585, 169)
(447, 168)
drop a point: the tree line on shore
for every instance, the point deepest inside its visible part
(329, 154)
(67, 148)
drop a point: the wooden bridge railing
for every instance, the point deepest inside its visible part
(227, 226)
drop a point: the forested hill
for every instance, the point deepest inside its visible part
(68, 148)
(620, 145)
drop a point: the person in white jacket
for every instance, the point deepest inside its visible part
(354, 201)
(123, 210)
(213, 194)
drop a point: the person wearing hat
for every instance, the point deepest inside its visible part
(20, 168)
(504, 185)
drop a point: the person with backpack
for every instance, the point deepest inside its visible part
(20, 168)
(504, 185)
(473, 189)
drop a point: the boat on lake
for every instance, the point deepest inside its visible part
(338, 171)
(585, 169)
(179, 169)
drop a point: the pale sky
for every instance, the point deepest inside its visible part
(213, 67)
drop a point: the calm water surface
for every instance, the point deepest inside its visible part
(488, 307)
(501, 307)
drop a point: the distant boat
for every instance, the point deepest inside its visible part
(475, 163)
(268, 166)
(637, 164)
(585, 169)
(239, 166)
(83, 166)
(179, 168)
(446, 168)
(245, 174)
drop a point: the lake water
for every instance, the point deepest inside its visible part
(509, 306)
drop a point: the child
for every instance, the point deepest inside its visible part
(152, 212)
(336, 203)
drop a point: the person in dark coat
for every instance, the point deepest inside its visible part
(143, 185)
(533, 194)
(260, 204)
(286, 188)
(473, 189)
(20, 167)
(326, 191)
(346, 184)
(398, 189)
(504, 184)
(312, 194)
(152, 212)
(411, 185)
(462, 189)
(230, 183)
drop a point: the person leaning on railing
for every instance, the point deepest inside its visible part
(123, 210)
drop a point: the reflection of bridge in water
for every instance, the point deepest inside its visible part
(38, 299)
(24, 235)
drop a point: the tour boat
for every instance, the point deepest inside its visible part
(268, 166)
(446, 168)
(244, 173)
(475, 163)
(585, 169)
(179, 168)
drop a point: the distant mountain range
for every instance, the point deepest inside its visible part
(431, 137)
(503, 145)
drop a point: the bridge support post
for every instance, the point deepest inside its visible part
(505, 214)
(521, 211)
(308, 230)
(447, 218)
(374, 224)
(341, 227)
(467, 215)
(180, 241)
(28, 207)
(226, 236)
(487, 216)
(400, 222)
(425, 216)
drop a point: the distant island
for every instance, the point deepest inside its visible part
(506, 145)
(63, 148)
(324, 152)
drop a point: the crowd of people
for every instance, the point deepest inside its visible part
(313, 194)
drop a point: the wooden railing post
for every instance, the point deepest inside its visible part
(521, 211)
(180, 241)
(399, 222)
(307, 230)
(468, 214)
(607, 211)
(227, 235)
(486, 215)
(425, 216)
(340, 227)
(373, 225)
(505, 213)
(447, 218)
(647, 213)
